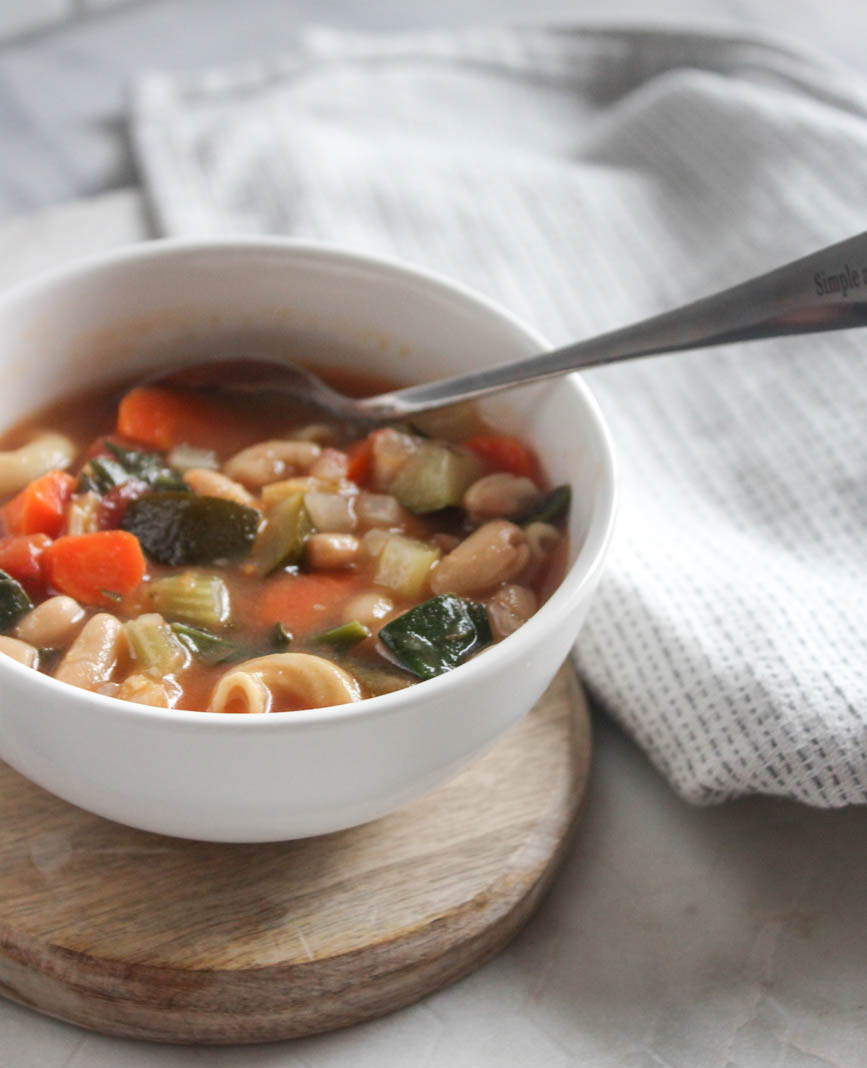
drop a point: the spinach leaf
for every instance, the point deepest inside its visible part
(552, 508)
(436, 636)
(207, 646)
(14, 602)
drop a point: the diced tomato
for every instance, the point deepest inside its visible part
(500, 452)
(23, 558)
(305, 603)
(39, 508)
(93, 567)
(114, 504)
(360, 461)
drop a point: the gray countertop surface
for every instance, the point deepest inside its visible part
(674, 937)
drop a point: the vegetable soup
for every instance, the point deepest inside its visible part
(246, 555)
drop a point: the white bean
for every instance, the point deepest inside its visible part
(145, 691)
(380, 510)
(93, 657)
(22, 652)
(52, 624)
(369, 608)
(330, 465)
(310, 680)
(215, 484)
(270, 461)
(494, 553)
(508, 608)
(500, 495)
(327, 552)
(44, 453)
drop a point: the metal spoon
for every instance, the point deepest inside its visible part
(824, 291)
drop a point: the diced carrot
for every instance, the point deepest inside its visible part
(305, 603)
(39, 507)
(23, 558)
(503, 453)
(162, 418)
(360, 461)
(96, 568)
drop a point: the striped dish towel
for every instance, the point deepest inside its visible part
(586, 178)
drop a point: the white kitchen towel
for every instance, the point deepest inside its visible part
(586, 177)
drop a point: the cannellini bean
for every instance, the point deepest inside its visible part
(269, 461)
(46, 452)
(500, 495)
(94, 656)
(310, 680)
(445, 542)
(82, 513)
(22, 652)
(331, 512)
(494, 553)
(330, 465)
(508, 608)
(369, 608)
(326, 552)
(542, 540)
(215, 484)
(145, 690)
(52, 624)
(321, 433)
(380, 510)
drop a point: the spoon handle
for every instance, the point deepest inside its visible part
(824, 291)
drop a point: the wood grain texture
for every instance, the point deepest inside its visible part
(145, 936)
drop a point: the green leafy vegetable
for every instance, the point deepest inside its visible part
(103, 474)
(183, 528)
(344, 636)
(149, 467)
(281, 638)
(436, 636)
(14, 602)
(552, 508)
(206, 646)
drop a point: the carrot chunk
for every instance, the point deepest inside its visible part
(305, 603)
(96, 568)
(503, 453)
(23, 558)
(163, 418)
(39, 507)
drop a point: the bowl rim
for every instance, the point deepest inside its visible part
(581, 574)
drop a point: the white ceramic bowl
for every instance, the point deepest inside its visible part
(292, 774)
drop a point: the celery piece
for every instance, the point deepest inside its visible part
(435, 476)
(281, 541)
(156, 649)
(184, 528)
(14, 601)
(438, 635)
(185, 457)
(193, 596)
(404, 566)
(206, 646)
(552, 508)
(344, 636)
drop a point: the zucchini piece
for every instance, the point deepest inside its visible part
(208, 647)
(344, 636)
(435, 477)
(552, 508)
(156, 649)
(184, 528)
(438, 635)
(14, 601)
(376, 680)
(404, 566)
(284, 535)
(193, 596)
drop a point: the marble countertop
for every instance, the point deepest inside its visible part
(674, 937)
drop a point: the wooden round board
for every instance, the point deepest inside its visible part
(136, 934)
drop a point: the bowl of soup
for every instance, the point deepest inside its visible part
(236, 618)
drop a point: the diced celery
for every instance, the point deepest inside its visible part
(281, 540)
(435, 477)
(155, 648)
(186, 457)
(331, 512)
(404, 566)
(193, 596)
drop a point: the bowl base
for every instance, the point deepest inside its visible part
(144, 936)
